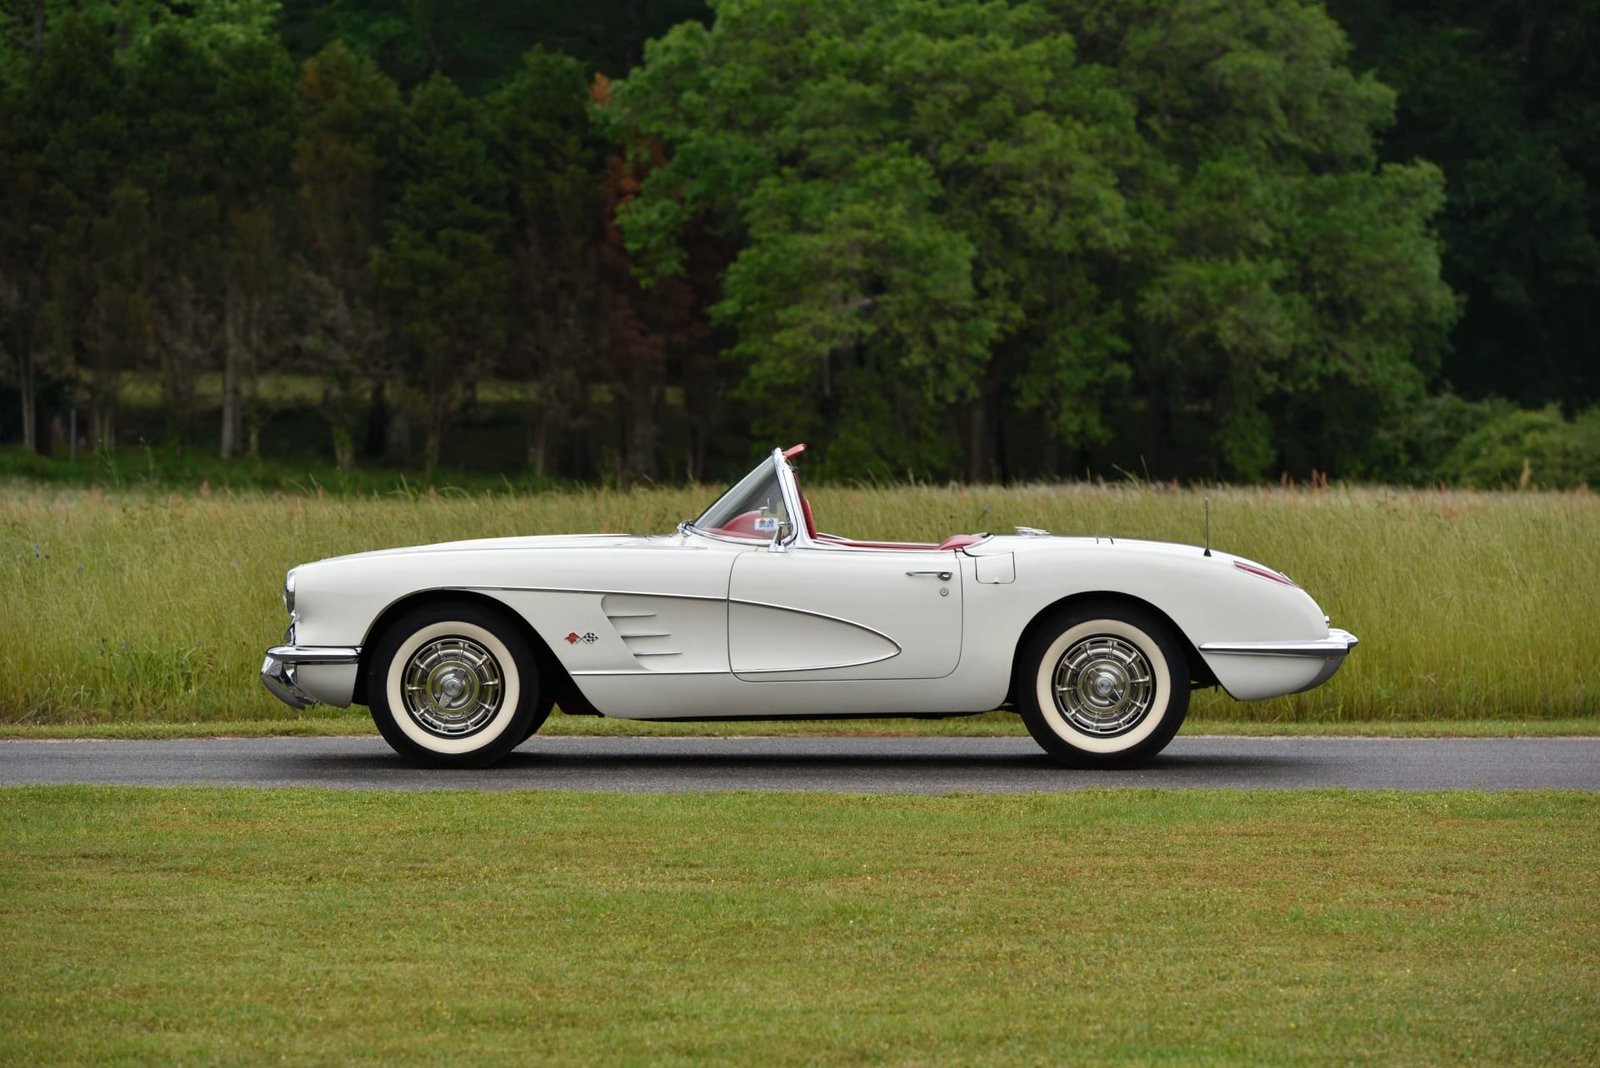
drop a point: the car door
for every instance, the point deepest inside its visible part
(818, 613)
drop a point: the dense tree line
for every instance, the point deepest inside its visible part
(955, 238)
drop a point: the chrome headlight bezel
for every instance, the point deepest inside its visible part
(288, 592)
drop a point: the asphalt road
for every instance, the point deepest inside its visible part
(859, 765)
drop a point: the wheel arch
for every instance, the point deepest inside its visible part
(1200, 674)
(563, 688)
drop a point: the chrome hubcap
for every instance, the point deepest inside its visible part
(1103, 685)
(453, 686)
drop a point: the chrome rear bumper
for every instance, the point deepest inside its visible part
(277, 671)
(1338, 644)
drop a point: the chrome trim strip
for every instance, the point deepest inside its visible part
(726, 539)
(789, 486)
(315, 654)
(1336, 645)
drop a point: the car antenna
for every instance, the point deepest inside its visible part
(1207, 501)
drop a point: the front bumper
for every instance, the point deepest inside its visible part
(1252, 670)
(278, 671)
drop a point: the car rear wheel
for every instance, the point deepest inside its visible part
(1102, 685)
(454, 686)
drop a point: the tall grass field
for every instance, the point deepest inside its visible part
(131, 606)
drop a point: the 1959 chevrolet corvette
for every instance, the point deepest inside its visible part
(749, 612)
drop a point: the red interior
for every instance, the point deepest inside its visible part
(954, 541)
(744, 526)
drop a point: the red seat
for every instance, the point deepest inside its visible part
(960, 541)
(742, 526)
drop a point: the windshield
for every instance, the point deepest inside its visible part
(752, 509)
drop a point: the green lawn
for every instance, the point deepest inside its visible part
(248, 926)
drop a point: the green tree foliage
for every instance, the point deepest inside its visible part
(1529, 449)
(962, 238)
(75, 122)
(350, 117)
(1286, 282)
(441, 264)
(1020, 206)
(477, 45)
(547, 146)
(1505, 99)
(19, 177)
(212, 115)
(142, 137)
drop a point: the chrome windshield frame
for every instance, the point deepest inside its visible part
(788, 490)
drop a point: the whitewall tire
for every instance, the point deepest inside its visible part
(1102, 684)
(454, 685)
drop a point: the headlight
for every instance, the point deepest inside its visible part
(288, 592)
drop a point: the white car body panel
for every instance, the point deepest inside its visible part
(698, 625)
(821, 614)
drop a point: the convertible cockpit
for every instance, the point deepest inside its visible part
(759, 507)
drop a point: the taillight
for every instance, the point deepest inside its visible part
(1262, 572)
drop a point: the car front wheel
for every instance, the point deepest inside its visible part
(1102, 685)
(454, 686)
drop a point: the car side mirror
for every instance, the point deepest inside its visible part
(780, 534)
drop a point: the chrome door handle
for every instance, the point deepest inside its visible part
(944, 576)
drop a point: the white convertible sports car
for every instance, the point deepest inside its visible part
(748, 612)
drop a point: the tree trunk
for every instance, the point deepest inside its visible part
(27, 391)
(230, 376)
(105, 424)
(397, 438)
(538, 442)
(435, 441)
(377, 442)
(977, 443)
(642, 439)
(344, 449)
(1049, 455)
(38, 25)
(249, 373)
(991, 402)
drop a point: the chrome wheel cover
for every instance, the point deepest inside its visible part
(1103, 685)
(452, 687)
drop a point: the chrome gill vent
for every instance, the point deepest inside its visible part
(640, 626)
